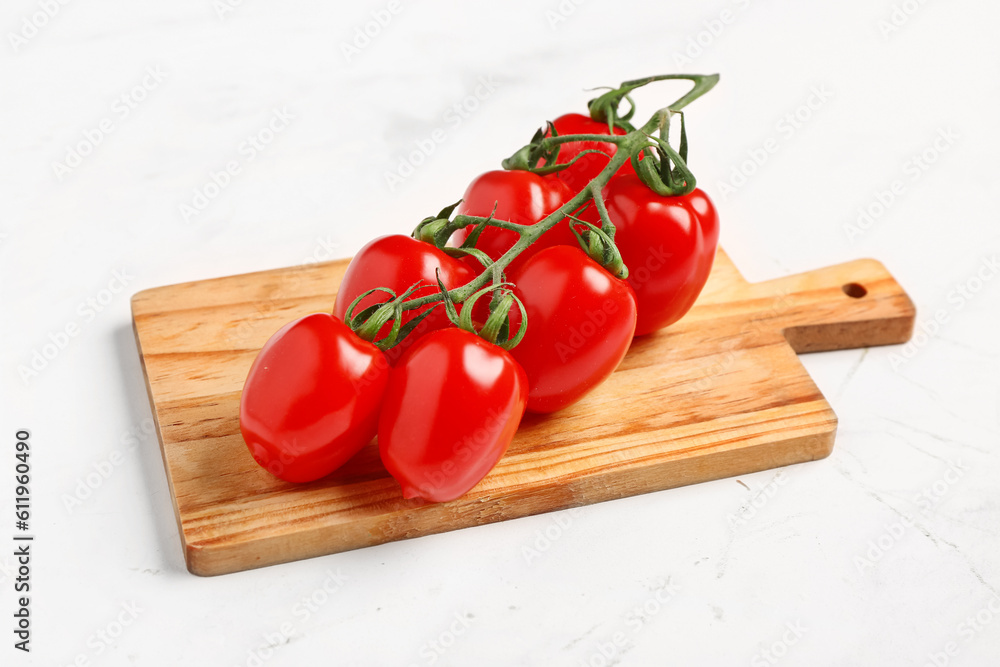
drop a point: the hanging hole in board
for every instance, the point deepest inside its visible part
(854, 290)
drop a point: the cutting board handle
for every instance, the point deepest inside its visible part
(850, 305)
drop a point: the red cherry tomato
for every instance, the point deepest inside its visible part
(590, 165)
(580, 325)
(397, 262)
(312, 398)
(521, 197)
(668, 244)
(451, 408)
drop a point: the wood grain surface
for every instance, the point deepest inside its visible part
(718, 394)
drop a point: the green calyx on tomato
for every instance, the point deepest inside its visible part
(669, 243)
(582, 323)
(496, 328)
(518, 197)
(452, 405)
(367, 298)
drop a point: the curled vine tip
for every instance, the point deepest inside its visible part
(605, 108)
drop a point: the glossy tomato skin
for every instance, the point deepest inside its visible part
(668, 244)
(521, 197)
(397, 262)
(587, 167)
(452, 405)
(312, 398)
(580, 325)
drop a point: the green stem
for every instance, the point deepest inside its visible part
(462, 221)
(605, 107)
(573, 138)
(627, 145)
(702, 84)
(602, 210)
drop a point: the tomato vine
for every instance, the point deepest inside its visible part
(662, 169)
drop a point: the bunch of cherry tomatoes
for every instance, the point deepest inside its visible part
(524, 296)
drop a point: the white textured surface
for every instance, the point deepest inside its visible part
(716, 591)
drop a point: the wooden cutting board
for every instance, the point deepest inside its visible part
(720, 393)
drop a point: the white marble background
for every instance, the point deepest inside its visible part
(666, 578)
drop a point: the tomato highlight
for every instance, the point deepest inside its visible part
(668, 243)
(451, 408)
(312, 398)
(580, 324)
